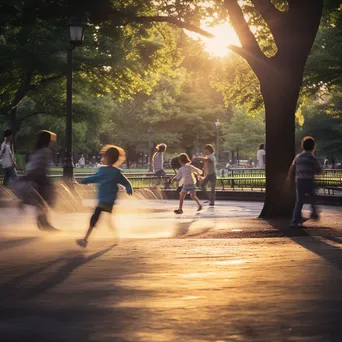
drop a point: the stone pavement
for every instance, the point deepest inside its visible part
(218, 276)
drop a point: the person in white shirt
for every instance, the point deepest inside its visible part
(186, 176)
(158, 161)
(261, 157)
(7, 156)
(82, 162)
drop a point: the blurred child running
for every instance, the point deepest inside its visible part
(35, 187)
(186, 175)
(108, 178)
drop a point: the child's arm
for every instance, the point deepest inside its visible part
(126, 183)
(196, 171)
(92, 179)
(291, 172)
(178, 177)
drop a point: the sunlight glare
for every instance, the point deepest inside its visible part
(217, 46)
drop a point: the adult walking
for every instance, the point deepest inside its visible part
(261, 157)
(8, 159)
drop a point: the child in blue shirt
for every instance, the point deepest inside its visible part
(107, 178)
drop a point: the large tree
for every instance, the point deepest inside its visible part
(277, 53)
(293, 29)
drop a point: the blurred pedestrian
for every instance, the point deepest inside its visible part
(35, 186)
(8, 158)
(82, 162)
(158, 160)
(261, 157)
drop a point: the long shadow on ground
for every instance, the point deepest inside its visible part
(12, 243)
(332, 254)
(77, 311)
(10, 288)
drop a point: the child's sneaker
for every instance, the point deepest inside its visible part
(178, 211)
(199, 208)
(82, 243)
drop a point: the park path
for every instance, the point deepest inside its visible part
(236, 281)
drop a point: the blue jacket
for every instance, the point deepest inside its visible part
(107, 180)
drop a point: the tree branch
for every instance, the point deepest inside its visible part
(173, 21)
(123, 18)
(270, 14)
(29, 115)
(46, 81)
(239, 50)
(252, 51)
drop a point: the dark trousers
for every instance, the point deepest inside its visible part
(95, 217)
(304, 187)
(211, 179)
(10, 174)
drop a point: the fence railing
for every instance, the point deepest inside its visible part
(239, 179)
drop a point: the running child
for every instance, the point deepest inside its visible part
(306, 166)
(35, 187)
(108, 178)
(186, 175)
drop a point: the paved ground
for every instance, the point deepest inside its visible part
(221, 275)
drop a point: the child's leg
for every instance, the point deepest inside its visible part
(195, 198)
(93, 220)
(212, 189)
(42, 212)
(181, 200)
(300, 199)
(204, 187)
(312, 200)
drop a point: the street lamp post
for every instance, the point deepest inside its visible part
(76, 27)
(217, 124)
(150, 167)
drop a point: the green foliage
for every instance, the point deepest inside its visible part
(236, 81)
(324, 67)
(323, 121)
(244, 132)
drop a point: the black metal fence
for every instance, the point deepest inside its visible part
(238, 179)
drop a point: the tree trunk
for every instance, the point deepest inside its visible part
(233, 157)
(280, 98)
